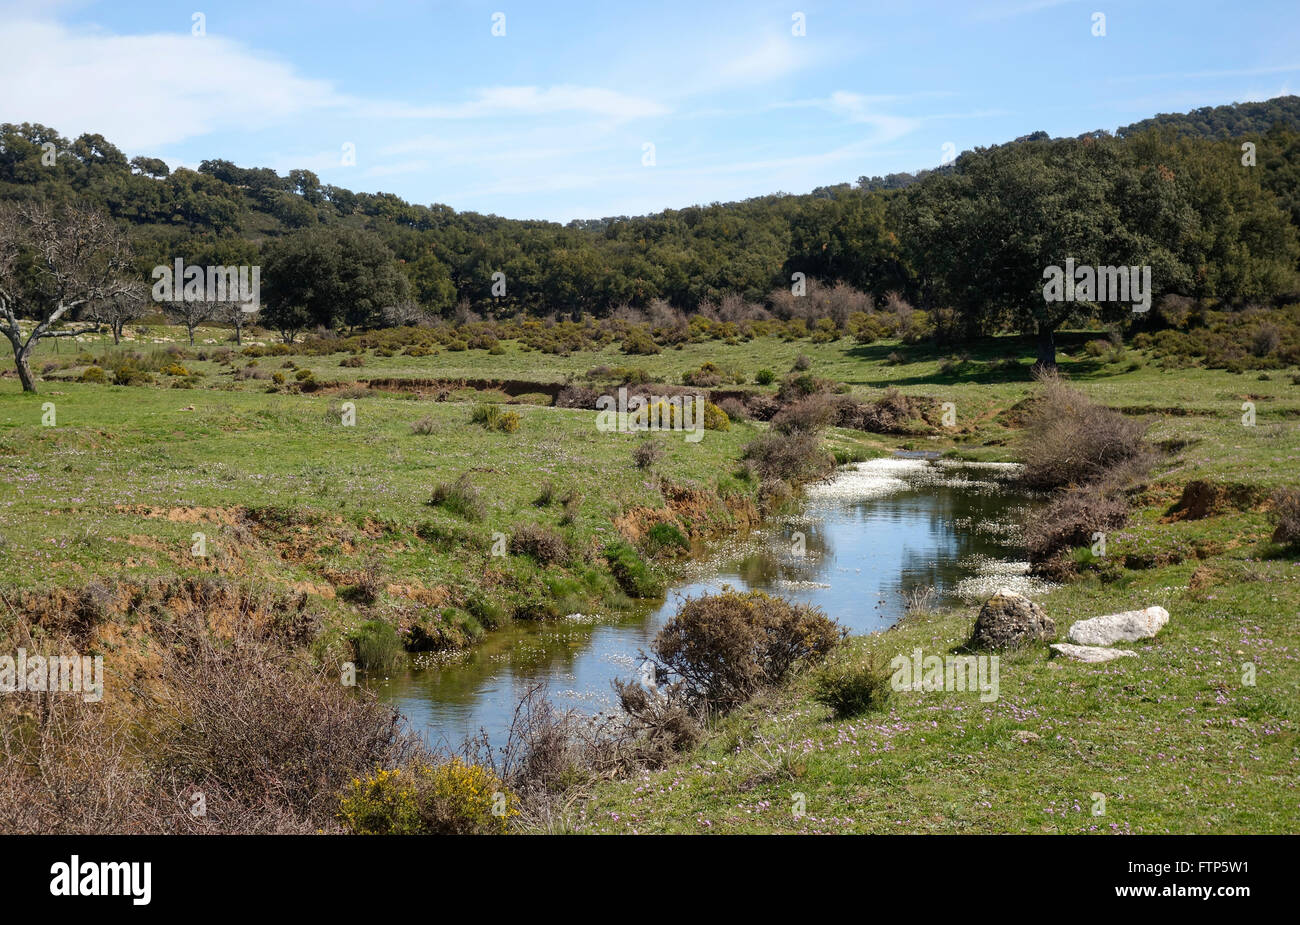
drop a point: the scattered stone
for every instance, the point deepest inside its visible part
(1089, 653)
(1010, 619)
(1129, 626)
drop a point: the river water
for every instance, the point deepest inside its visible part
(860, 543)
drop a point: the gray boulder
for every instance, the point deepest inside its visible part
(1089, 653)
(1009, 619)
(1129, 626)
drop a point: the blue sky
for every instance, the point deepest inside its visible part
(551, 120)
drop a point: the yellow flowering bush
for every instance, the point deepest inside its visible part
(452, 798)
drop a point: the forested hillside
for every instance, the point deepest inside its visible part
(1171, 192)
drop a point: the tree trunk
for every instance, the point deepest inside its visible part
(117, 333)
(24, 368)
(1046, 349)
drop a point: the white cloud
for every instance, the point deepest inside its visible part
(143, 91)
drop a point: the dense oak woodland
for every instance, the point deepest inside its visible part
(970, 239)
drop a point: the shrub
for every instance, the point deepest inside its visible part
(647, 453)
(376, 646)
(666, 537)
(851, 689)
(459, 497)
(451, 798)
(715, 418)
(93, 374)
(764, 377)
(576, 396)
(889, 414)
(795, 457)
(353, 362)
(1070, 520)
(130, 374)
(639, 343)
(802, 363)
(1069, 440)
(727, 647)
(1285, 515)
(631, 573)
(734, 409)
(572, 505)
(707, 376)
(424, 426)
(807, 415)
(270, 740)
(540, 543)
(494, 417)
(1266, 340)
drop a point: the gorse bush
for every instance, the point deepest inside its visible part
(450, 798)
(1070, 440)
(727, 647)
(665, 537)
(494, 417)
(715, 418)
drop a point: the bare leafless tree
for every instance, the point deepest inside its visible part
(235, 314)
(121, 307)
(52, 261)
(192, 313)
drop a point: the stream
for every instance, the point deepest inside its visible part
(858, 546)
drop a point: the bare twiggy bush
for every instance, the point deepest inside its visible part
(647, 453)
(231, 734)
(1285, 516)
(1070, 440)
(551, 757)
(1069, 521)
(796, 457)
(541, 543)
(254, 725)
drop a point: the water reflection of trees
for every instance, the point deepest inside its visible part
(781, 559)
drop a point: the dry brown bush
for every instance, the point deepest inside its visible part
(1070, 520)
(541, 543)
(1071, 440)
(1285, 516)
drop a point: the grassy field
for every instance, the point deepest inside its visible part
(289, 498)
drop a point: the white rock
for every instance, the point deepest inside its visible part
(1089, 653)
(1129, 626)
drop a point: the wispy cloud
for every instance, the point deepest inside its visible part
(493, 102)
